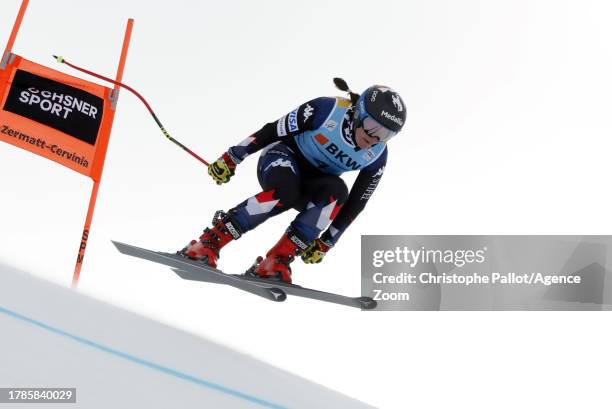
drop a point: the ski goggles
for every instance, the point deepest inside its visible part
(375, 130)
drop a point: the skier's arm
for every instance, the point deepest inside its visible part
(307, 116)
(362, 190)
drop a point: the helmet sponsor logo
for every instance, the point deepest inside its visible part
(292, 120)
(307, 112)
(392, 118)
(397, 102)
(373, 97)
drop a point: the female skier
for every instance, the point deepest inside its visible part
(305, 153)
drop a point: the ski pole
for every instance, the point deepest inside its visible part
(62, 60)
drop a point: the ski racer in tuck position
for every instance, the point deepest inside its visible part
(304, 154)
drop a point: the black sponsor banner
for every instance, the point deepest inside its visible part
(67, 109)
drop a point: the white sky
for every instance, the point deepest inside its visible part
(508, 132)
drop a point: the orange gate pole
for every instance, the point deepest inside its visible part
(11, 41)
(94, 190)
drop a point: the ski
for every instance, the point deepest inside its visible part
(271, 290)
(196, 271)
(365, 303)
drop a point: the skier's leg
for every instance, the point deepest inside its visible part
(323, 196)
(224, 229)
(278, 174)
